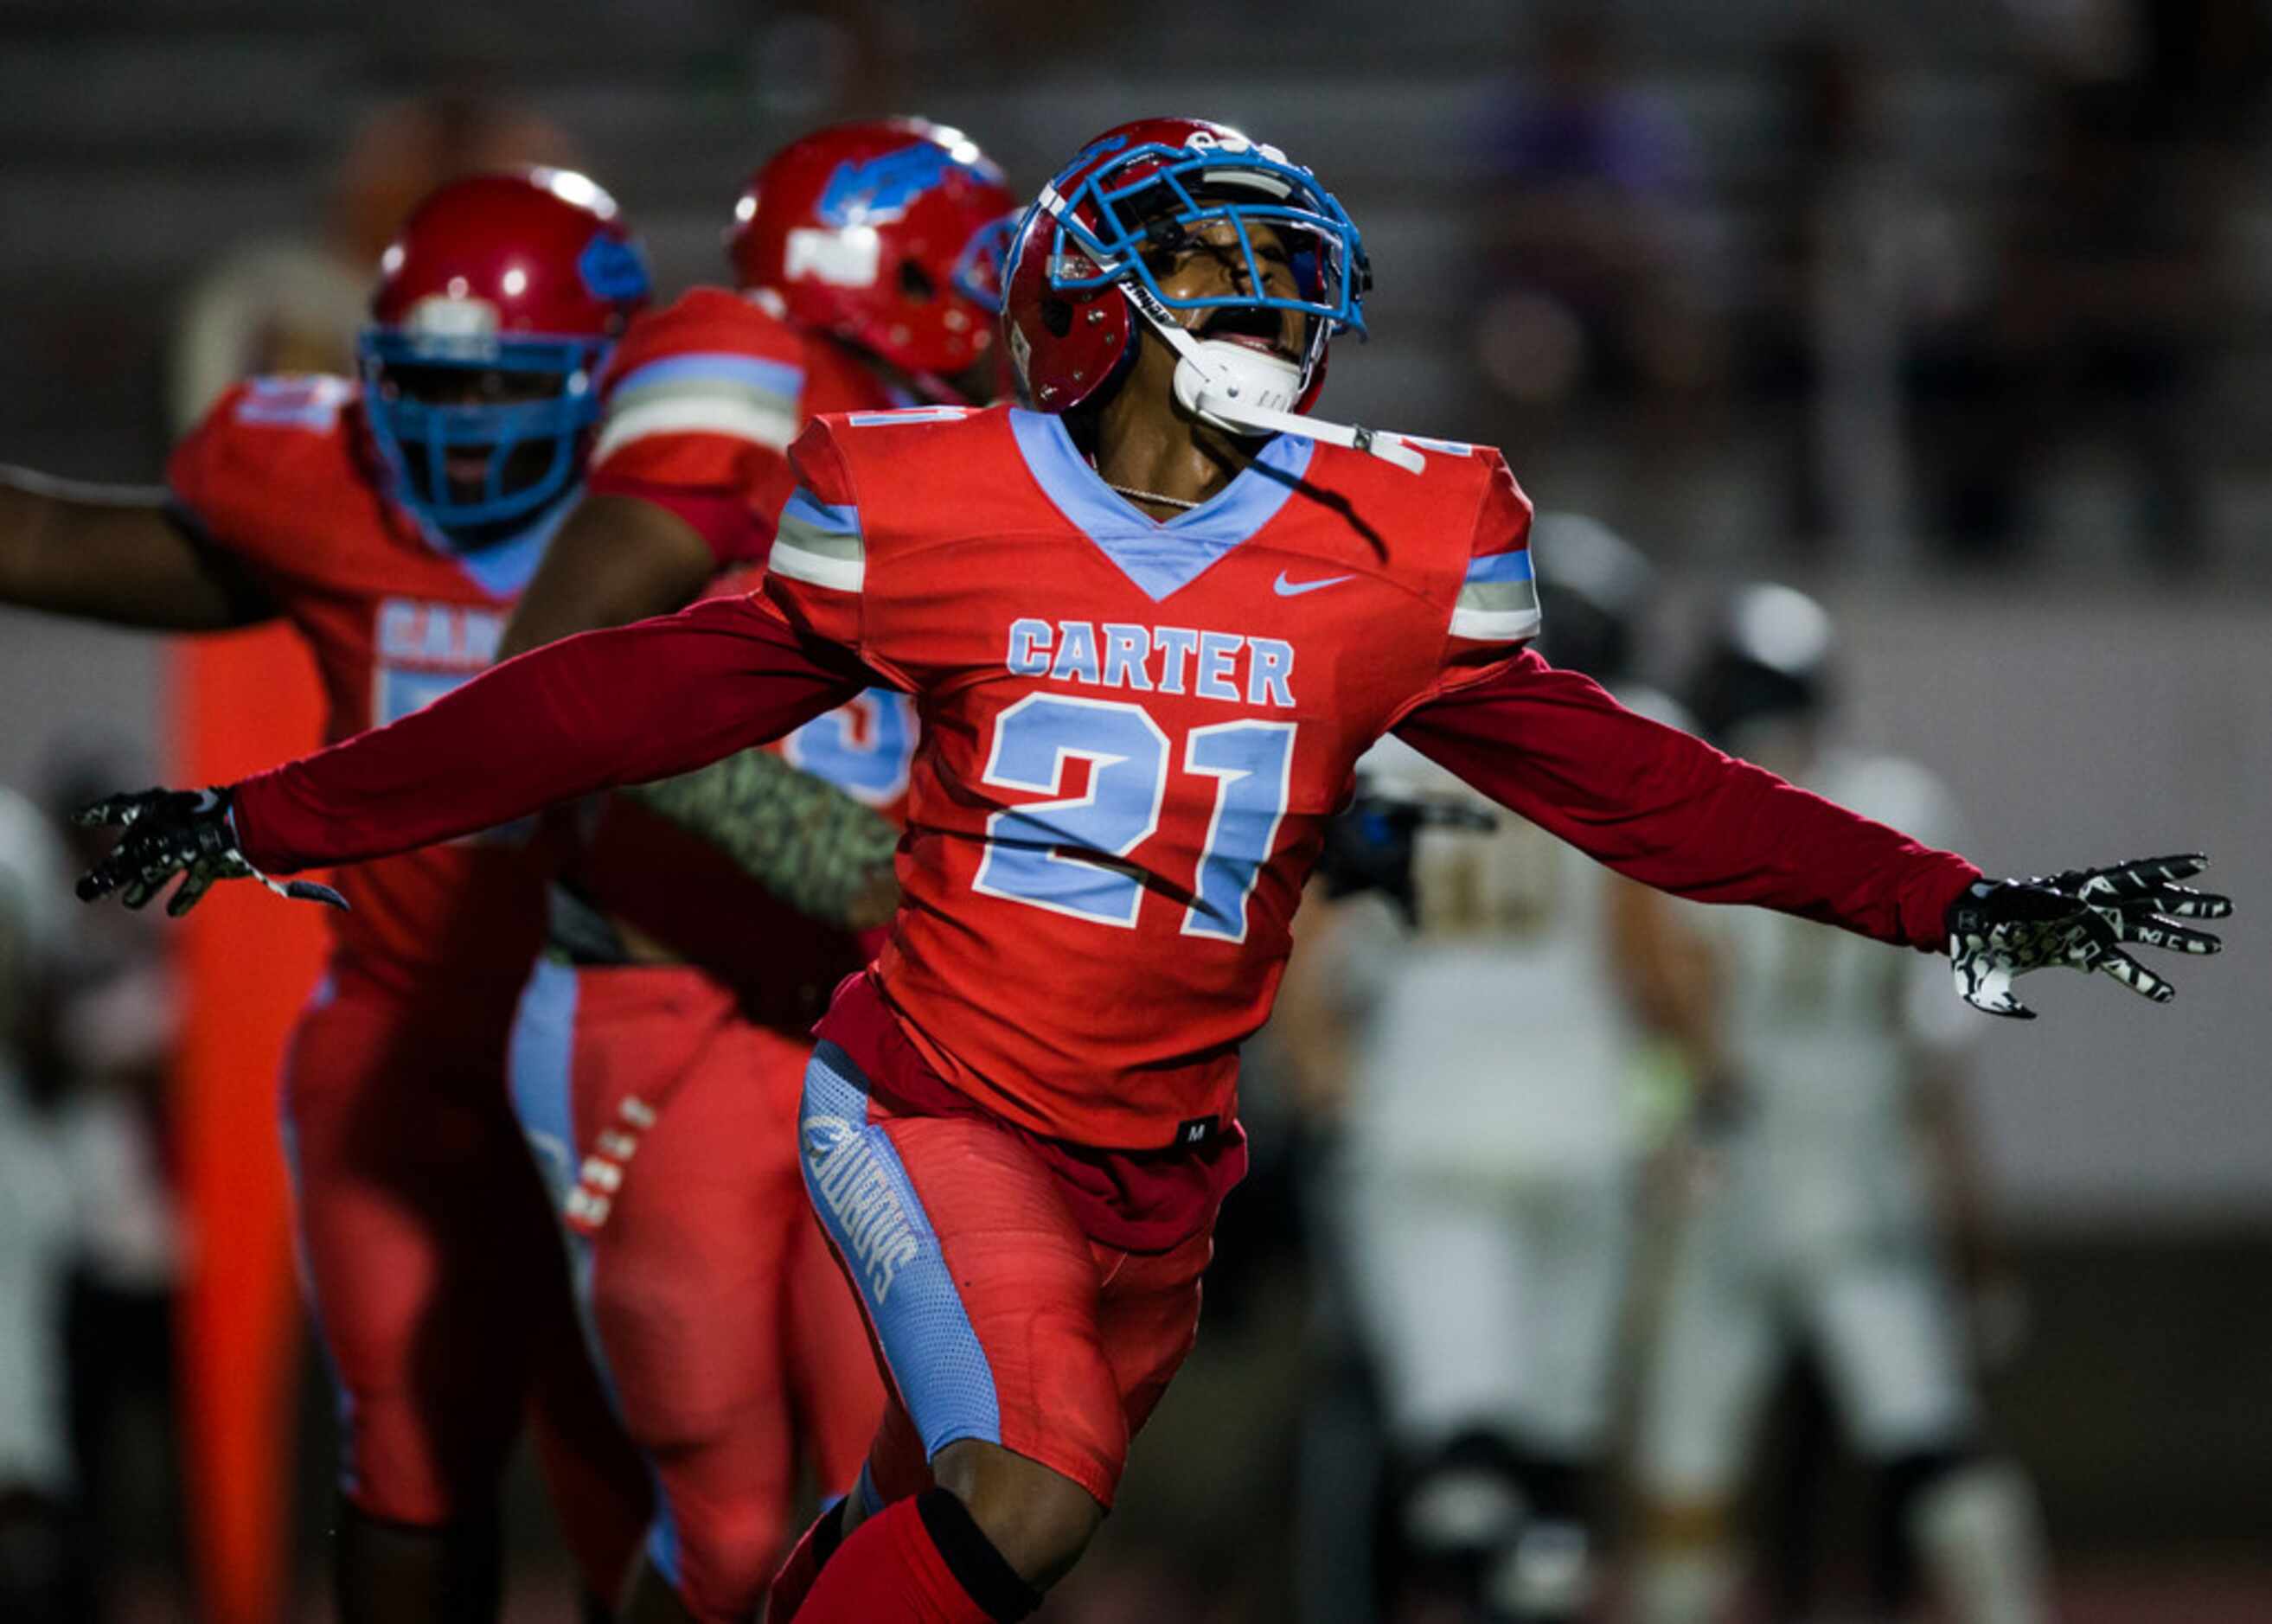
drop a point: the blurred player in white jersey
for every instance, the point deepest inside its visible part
(1820, 1229)
(1493, 1037)
(36, 1474)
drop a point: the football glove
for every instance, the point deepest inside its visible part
(2080, 918)
(1369, 844)
(176, 831)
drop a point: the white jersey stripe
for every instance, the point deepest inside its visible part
(1494, 625)
(735, 417)
(843, 574)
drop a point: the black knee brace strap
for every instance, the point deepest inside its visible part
(982, 1572)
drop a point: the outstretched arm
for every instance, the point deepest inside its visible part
(1666, 808)
(623, 557)
(114, 554)
(593, 712)
(1670, 811)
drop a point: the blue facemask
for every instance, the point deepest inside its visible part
(1187, 193)
(533, 447)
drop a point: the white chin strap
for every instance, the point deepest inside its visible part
(1246, 391)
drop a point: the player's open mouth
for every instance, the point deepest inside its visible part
(1254, 326)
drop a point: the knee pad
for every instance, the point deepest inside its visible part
(1498, 1525)
(1461, 1502)
(1480, 1488)
(1549, 1575)
(1978, 1537)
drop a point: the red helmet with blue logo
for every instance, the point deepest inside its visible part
(887, 233)
(496, 305)
(1078, 278)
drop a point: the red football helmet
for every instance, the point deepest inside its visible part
(1078, 278)
(497, 304)
(888, 233)
(543, 248)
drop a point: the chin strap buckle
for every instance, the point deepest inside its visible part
(1213, 405)
(1204, 391)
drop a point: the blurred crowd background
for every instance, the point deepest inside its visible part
(1957, 313)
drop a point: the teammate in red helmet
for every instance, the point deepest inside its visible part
(660, 1046)
(1150, 628)
(392, 520)
(868, 267)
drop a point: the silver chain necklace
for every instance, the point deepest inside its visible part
(1134, 494)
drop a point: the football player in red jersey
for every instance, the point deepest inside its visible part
(393, 522)
(1150, 627)
(661, 1047)
(867, 264)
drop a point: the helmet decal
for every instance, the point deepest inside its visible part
(613, 269)
(840, 259)
(885, 235)
(875, 191)
(453, 326)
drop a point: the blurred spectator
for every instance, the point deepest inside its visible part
(37, 1480)
(294, 304)
(1594, 234)
(1868, 280)
(821, 65)
(2115, 293)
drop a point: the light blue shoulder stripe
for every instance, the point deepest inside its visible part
(778, 377)
(1513, 566)
(808, 510)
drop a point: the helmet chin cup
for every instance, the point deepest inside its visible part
(1220, 372)
(1243, 392)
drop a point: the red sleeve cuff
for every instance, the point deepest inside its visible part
(1925, 911)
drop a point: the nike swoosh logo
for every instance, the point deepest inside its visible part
(1285, 588)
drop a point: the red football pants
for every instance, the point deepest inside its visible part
(997, 1316)
(725, 1332)
(434, 1275)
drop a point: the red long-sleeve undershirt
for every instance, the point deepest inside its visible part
(625, 705)
(1666, 808)
(668, 696)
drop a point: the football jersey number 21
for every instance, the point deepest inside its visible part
(1128, 757)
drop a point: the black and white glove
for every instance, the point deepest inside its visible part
(1369, 844)
(2080, 918)
(176, 831)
